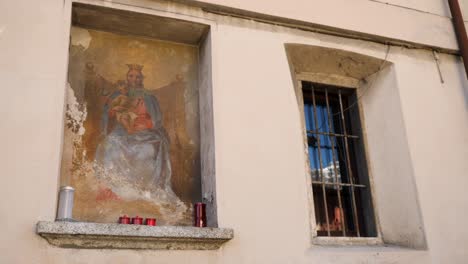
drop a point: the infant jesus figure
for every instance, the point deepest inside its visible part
(122, 105)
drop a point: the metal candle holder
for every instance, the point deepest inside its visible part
(65, 204)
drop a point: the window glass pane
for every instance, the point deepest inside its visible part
(342, 201)
(343, 161)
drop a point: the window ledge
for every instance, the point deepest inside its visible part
(347, 241)
(119, 236)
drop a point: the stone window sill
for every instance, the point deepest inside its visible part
(118, 236)
(347, 241)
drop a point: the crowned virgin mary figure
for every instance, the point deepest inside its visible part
(133, 157)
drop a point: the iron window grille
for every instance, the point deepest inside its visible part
(340, 181)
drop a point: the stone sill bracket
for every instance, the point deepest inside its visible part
(119, 236)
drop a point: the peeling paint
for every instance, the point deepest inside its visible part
(80, 37)
(75, 114)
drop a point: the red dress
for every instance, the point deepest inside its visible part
(143, 119)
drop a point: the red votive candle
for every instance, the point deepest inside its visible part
(150, 221)
(124, 220)
(137, 220)
(200, 214)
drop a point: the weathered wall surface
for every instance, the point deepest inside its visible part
(102, 192)
(417, 21)
(256, 172)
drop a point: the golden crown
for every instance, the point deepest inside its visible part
(137, 67)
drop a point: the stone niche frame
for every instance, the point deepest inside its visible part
(397, 214)
(168, 27)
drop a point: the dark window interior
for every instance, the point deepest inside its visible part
(340, 182)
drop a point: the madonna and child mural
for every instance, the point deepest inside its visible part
(131, 140)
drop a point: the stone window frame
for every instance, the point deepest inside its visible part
(117, 236)
(398, 218)
(345, 83)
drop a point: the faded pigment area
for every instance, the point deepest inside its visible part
(131, 140)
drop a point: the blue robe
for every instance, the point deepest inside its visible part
(135, 164)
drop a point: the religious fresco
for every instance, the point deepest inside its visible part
(131, 140)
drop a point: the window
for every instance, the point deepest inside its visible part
(388, 210)
(340, 182)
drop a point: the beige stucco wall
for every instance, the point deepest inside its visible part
(257, 173)
(417, 21)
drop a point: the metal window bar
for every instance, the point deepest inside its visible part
(335, 153)
(339, 184)
(330, 134)
(338, 188)
(348, 163)
(325, 205)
